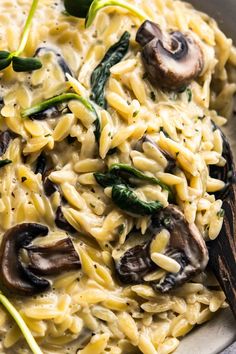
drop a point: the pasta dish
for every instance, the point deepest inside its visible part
(110, 190)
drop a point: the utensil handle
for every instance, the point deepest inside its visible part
(222, 250)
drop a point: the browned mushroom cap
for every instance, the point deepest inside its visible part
(171, 61)
(53, 259)
(13, 275)
(186, 246)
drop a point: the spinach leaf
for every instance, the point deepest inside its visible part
(42, 107)
(121, 178)
(128, 201)
(4, 162)
(107, 179)
(102, 72)
(127, 175)
(127, 172)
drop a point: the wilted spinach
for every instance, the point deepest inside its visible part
(122, 178)
(102, 72)
(128, 172)
(127, 200)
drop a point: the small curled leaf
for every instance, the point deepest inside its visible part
(25, 64)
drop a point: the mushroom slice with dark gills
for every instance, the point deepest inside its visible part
(54, 258)
(20, 278)
(185, 246)
(172, 60)
(14, 276)
(132, 259)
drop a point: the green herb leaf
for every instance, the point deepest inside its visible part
(128, 201)
(5, 59)
(21, 324)
(99, 4)
(4, 54)
(65, 97)
(4, 162)
(189, 94)
(102, 72)
(78, 8)
(221, 213)
(25, 64)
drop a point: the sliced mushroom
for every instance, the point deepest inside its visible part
(53, 259)
(48, 185)
(171, 60)
(62, 223)
(41, 164)
(147, 32)
(5, 138)
(42, 167)
(132, 259)
(13, 275)
(186, 246)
